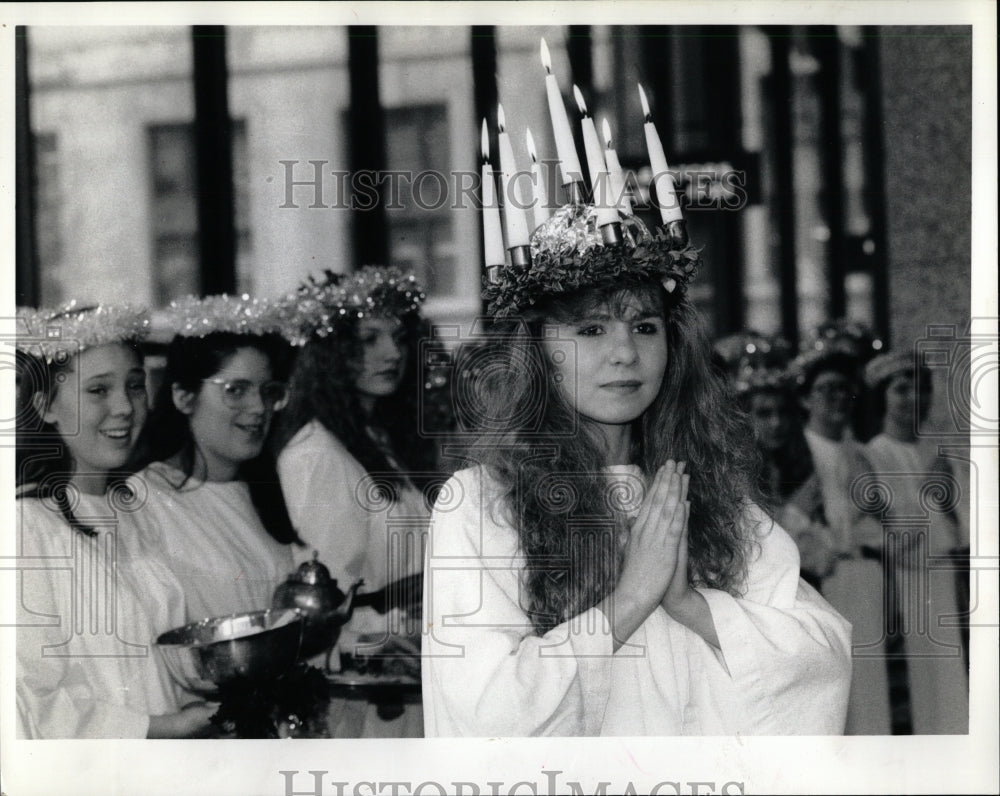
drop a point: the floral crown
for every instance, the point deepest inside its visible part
(595, 245)
(192, 316)
(55, 334)
(568, 254)
(372, 291)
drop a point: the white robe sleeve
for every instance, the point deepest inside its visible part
(786, 649)
(485, 671)
(319, 488)
(57, 697)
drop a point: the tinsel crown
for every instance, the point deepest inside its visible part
(755, 362)
(54, 334)
(836, 338)
(885, 365)
(569, 254)
(373, 291)
(192, 316)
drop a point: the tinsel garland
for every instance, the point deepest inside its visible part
(371, 291)
(54, 333)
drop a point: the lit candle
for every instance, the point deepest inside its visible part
(606, 211)
(492, 236)
(615, 173)
(569, 163)
(666, 191)
(513, 203)
(540, 201)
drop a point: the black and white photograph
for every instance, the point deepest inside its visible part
(499, 398)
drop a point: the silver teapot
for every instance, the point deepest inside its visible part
(312, 592)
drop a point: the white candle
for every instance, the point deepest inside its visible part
(606, 211)
(666, 191)
(540, 198)
(513, 202)
(569, 163)
(615, 172)
(492, 236)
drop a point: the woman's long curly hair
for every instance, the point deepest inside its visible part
(549, 465)
(44, 463)
(323, 389)
(191, 360)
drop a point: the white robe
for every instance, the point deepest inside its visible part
(86, 665)
(337, 511)
(856, 587)
(784, 665)
(938, 678)
(210, 536)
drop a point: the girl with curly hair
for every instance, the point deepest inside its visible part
(83, 402)
(352, 465)
(602, 568)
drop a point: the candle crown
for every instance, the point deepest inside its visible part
(569, 250)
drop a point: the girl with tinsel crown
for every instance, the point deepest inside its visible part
(826, 374)
(602, 569)
(921, 483)
(765, 390)
(84, 402)
(356, 474)
(214, 510)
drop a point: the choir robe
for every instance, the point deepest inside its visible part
(783, 668)
(210, 536)
(339, 512)
(86, 664)
(925, 582)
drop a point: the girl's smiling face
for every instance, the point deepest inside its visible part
(227, 435)
(98, 408)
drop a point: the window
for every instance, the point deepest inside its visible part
(421, 237)
(174, 210)
(48, 223)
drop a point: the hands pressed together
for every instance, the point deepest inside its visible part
(655, 569)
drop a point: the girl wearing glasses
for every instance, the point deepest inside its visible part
(351, 462)
(213, 507)
(90, 603)
(827, 382)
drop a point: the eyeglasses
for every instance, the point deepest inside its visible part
(236, 393)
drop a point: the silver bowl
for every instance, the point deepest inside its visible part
(206, 655)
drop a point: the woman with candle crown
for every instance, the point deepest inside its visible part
(214, 510)
(602, 568)
(83, 403)
(353, 466)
